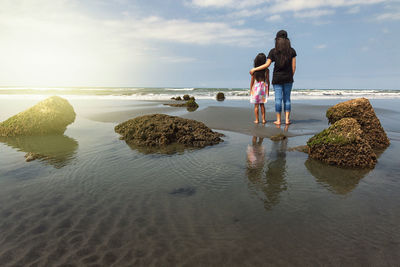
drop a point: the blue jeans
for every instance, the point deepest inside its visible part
(282, 93)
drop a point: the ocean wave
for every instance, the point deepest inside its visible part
(179, 89)
(199, 93)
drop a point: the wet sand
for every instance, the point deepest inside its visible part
(95, 201)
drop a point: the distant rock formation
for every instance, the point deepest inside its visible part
(361, 110)
(50, 116)
(186, 97)
(220, 96)
(190, 104)
(343, 144)
(159, 130)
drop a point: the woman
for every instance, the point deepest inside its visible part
(284, 57)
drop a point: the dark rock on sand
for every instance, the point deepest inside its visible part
(50, 116)
(186, 97)
(159, 130)
(342, 144)
(278, 137)
(361, 110)
(191, 104)
(192, 98)
(178, 98)
(220, 96)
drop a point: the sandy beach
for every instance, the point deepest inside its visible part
(95, 201)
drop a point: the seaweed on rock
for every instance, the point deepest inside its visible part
(50, 116)
(343, 144)
(158, 130)
(361, 110)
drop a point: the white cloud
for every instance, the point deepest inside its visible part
(321, 46)
(354, 10)
(235, 4)
(313, 8)
(275, 17)
(298, 5)
(316, 13)
(58, 42)
(388, 16)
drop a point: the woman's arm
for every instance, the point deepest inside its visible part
(262, 67)
(294, 65)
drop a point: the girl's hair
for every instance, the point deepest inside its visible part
(258, 61)
(283, 51)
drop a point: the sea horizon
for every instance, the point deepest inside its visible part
(167, 92)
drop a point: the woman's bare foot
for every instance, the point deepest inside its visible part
(264, 121)
(256, 122)
(288, 122)
(277, 122)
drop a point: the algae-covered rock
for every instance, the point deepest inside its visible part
(186, 97)
(178, 98)
(220, 96)
(159, 130)
(50, 116)
(342, 144)
(192, 104)
(361, 110)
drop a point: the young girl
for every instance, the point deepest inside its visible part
(259, 87)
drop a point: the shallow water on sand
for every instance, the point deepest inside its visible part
(245, 202)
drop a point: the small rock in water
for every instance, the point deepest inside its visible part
(183, 191)
(30, 156)
(186, 97)
(220, 96)
(278, 137)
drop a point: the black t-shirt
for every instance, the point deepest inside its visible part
(283, 73)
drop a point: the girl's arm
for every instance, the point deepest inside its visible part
(262, 67)
(294, 65)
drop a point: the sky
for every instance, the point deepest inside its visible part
(340, 44)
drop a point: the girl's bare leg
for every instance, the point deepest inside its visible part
(256, 112)
(287, 117)
(263, 113)
(278, 119)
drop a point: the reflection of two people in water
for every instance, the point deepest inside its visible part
(270, 182)
(268, 176)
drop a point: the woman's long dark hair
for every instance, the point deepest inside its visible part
(283, 51)
(258, 61)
